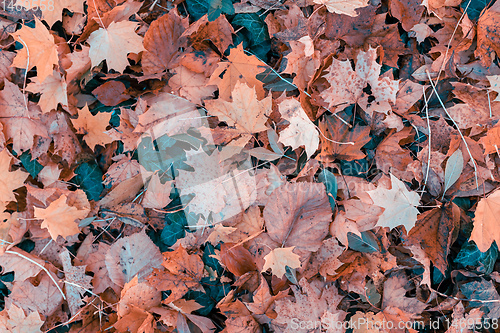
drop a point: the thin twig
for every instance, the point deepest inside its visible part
(429, 144)
(456, 125)
(43, 268)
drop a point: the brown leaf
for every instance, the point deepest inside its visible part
(334, 129)
(298, 215)
(434, 232)
(111, 93)
(183, 272)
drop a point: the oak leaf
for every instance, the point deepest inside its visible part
(42, 50)
(399, 204)
(245, 111)
(239, 67)
(301, 131)
(113, 44)
(60, 218)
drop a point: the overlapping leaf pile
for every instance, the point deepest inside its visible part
(249, 166)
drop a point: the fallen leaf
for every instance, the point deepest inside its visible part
(131, 256)
(343, 7)
(60, 218)
(486, 219)
(279, 258)
(42, 50)
(399, 204)
(237, 112)
(52, 89)
(239, 67)
(93, 127)
(113, 44)
(347, 86)
(301, 131)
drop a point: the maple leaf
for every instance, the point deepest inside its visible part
(245, 111)
(334, 129)
(20, 121)
(92, 256)
(183, 272)
(346, 85)
(279, 258)
(52, 11)
(42, 50)
(60, 218)
(113, 44)
(301, 130)
(191, 85)
(93, 127)
(486, 221)
(302, 61)
(53, 90)
(18, 322)
(342, 6)
(10, 180)
(44, 298)
(157, 195)
(218, 31)
(311, 304)
(141, 295)
(491, 141)
(239, 67)
(399, 204)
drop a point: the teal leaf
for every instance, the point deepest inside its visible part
(367, 243)
(257, 31)
(31, 165)
(330, 181)
(482, 262)
(89, 178)
(175, 228)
